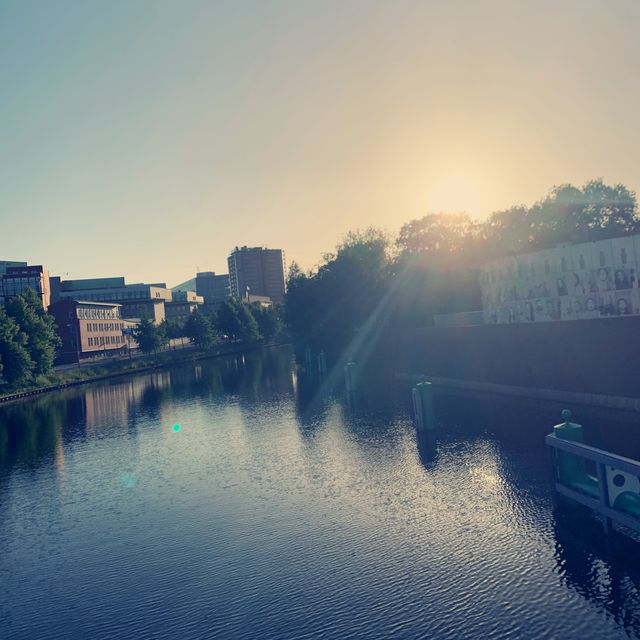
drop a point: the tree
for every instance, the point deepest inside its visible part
(438, 235)
(227, 320)
(199, 330)
(325, 309)
(249, 331)
(567, 213)
(269, 322)
(39, 328)
(17, 365)
(150, 337)
(172, 330)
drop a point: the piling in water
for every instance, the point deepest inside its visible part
(351, 377)
(423, 406)
(571, 468)
(322, 363)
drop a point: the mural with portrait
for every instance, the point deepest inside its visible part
(571, 282)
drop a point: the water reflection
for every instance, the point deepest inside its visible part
(30, 432)
(427, 442)
(35, 431)
(280, 490)
(603, 569)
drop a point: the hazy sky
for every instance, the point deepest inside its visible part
(150, 138)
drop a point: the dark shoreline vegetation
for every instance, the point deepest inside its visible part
(373, 288)
(56, 381)
(29, 342)
(358, 300)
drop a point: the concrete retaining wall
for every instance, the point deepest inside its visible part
(597, 359)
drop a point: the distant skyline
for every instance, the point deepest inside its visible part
(148, 139)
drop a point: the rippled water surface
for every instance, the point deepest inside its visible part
(235, 499)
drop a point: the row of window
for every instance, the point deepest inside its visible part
(105, 326)
(15, 286)
(90, 314)
(106, 340)
(121, 295)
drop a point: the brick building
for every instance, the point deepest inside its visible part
(88, 329)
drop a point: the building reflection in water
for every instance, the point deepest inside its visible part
(483, 472)
(38, 429)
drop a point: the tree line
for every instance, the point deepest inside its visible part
(28, 340)
(233, 320)
(567, 213)
(375, 285)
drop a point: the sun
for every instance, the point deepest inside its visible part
(453, 194)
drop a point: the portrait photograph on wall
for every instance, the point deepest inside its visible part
(572, 282)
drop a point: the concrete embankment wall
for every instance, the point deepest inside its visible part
(592, 361)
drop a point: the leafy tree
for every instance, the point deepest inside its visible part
(361, 289)
(227, 320)
(39, 328)
(249, 331)
(438, 235)
(567, 213)
(172, 329)
(149, 336)
(199, 330)
(268, 320)
(17, 364)
(325, 309)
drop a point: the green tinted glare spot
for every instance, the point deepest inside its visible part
(128, 480)
(176, 428)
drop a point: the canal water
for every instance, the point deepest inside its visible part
(236, 498)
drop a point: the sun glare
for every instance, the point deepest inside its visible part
(453, 193)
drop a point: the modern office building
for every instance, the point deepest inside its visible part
(5, 264)
(137, 300)
(88, 329)
(214, 288)
(188, 285)
(54, 286)
(18, 278)
(257, 271)
(184, 303)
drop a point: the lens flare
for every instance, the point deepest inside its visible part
(129, 480)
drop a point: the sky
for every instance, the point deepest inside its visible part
(148, 139)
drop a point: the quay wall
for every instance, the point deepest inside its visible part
(596, 359)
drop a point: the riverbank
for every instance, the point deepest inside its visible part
(57, 381)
